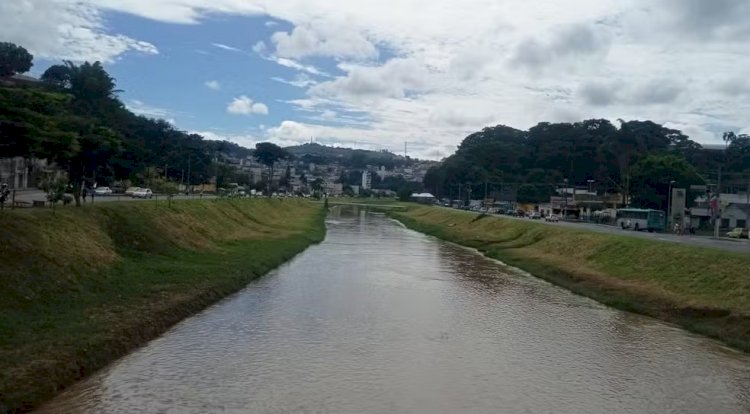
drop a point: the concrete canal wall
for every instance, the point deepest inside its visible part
(704, 290)
(86, 285)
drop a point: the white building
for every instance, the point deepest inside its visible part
(735, 215)
(334, 189)
(366, 180)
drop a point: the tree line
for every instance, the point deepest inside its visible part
(638, 159)
(75, 119)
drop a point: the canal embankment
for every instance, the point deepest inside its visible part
(701, 289)
(85, 286)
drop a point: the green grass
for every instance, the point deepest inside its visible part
(104, 280)
(704, 290)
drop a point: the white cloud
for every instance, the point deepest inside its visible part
(213, 85)
(262, 50)
(395, 78)
(243, 105)
(306, 41)
(226, 47)
(140, 108)
(431, 75)
(300, 81)
(55, 30)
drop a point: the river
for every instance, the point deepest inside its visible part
(381, 319)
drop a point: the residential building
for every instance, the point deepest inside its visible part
(21, 173)
(423, 198)
(735, 215)
(334, 189)
(366, 180)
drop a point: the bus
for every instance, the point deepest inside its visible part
(641, 219)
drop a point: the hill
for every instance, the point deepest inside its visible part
(355, 158)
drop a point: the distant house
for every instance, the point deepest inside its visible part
(17, 80)
(22, 173)
(735, 215)
(423, 198)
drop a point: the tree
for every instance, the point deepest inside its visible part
(55, 187)
(58, 75)
(651, 177)
(404, 194)
(268, 154)
(14, 59)
(317, 186)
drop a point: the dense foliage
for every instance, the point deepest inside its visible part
(14, 59)
(76, 120)
(347, 157)
(636, 158)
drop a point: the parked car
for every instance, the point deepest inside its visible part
(552, 218)
(534, 215)
(143, 193)
(131, 190)
(737, 233)
(103, 191)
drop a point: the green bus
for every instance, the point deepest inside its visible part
(641, 219)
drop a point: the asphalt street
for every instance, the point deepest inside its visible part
(742, 246)
(33, 195)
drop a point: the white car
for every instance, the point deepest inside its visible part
(102, 191)
(552, 218)
(131, 190)
(143, 193)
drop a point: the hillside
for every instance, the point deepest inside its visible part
(349, 157)
(86, 285)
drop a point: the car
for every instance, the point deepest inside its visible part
(534, 215)
(737, 233)
(102, 191)
(552, 218)
(131, 190)
(143, 193)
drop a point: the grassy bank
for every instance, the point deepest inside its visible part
(704, 290)
(87, 285)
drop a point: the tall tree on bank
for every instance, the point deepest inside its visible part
(652, 175)
(268, 154)
(14, 59)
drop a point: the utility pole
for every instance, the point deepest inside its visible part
(565, 199)
(190, 190)
(717, 220)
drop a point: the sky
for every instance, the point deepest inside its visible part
(376, 74)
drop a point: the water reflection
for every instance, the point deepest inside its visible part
(378, 318)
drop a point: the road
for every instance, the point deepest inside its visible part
(32, 195)
(742, 246)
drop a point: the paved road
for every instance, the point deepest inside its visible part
(742, 246)
(32, 195)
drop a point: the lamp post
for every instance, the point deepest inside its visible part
(669, 203)
(565, 198)
(590, 184)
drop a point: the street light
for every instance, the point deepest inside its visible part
(565, 198)
(669, 202)
(590, 183)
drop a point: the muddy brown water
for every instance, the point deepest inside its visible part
(382, 319)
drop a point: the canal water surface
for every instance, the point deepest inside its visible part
(381, 319)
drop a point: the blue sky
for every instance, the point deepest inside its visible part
(174, 81)
(376, 73)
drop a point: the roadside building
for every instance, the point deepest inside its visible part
(366, 180)
(735, 215)
(423, 198)
(22, 173)
(334, 189)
